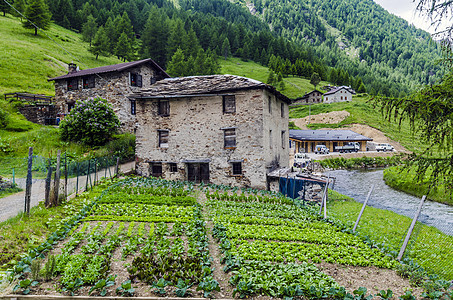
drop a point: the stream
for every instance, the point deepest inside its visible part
(357, 184)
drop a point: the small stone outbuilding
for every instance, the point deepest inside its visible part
(113, 83)
(222, 129)
(312, 97)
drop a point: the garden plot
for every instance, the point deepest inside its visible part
(140, 238)
(277, 249)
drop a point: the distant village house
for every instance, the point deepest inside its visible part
(338, 94)
(113, 83)
(222, 129)
(312, 97)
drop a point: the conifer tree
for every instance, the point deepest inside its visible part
(37, 13)
(4, 7)
(177, 34)
(271, 78)
(89, 29)
(123, 47)
(177, 65)
(226, 50)
(315, 79)
(20, 5)
(155, 38)
(100, 43)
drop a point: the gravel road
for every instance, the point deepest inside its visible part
(14, 204)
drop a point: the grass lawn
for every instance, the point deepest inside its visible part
(387, 227)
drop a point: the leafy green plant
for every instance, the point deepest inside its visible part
(407, 296)
(385, 294)
(244, 289)
(160, 285)
(102, 285)
(49, 268)
(208, 285)
(24, 286)
(182, 288)
(125, 289)
(73, 286)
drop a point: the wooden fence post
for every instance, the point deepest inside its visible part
(65, 177)
(324, 194)
(47, 188)
(28, 182)
(56, 185)
(117, 166)
(411, 228)
(88, 175)
(363, 208)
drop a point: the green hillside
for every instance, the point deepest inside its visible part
(27, 61)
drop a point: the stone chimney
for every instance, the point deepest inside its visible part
(72, 68)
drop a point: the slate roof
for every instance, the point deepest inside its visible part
(192, 86)
(327, 135)
(111, 68)
(308, 94)
(334, 90)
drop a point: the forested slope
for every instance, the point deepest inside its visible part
(345, 42)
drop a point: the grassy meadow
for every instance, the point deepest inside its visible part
(28, 61)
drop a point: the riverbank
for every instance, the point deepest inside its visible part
(406, 181)
(428, 247)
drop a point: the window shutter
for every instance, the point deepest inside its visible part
(130, 78)
(139, 80)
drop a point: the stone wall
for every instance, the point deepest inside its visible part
(113, 86)
(340, 96)
(39, 114)
(196, 133)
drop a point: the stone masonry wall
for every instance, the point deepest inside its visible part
(38, 113)
(114, 87)
(195, 133)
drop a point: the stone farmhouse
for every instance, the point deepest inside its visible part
(113, 83)
(312, 97)
(339, 94)
(222, 129)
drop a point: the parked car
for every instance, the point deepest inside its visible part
(321, 149)
(301, 160)
(348, 147)
(384, 147)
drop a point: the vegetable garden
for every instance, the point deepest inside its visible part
(150, 237)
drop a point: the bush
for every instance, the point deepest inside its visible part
(3, 118)
(91, 122)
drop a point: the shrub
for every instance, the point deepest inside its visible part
(91, 122)
(3, 118)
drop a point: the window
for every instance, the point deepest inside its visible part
(236, 168)
(163, 138)
(270, 139)
(229, 104)
(156, 169)
(270, 104)
(164, 108)
(70, 106)
(283, 139)
(173, 167)
(133, 107)
(73, 84)
(135, 79)
(229, 138)
(88, 82)
(153, 80)
(282, 109)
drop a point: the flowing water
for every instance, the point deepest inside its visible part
(357, 183)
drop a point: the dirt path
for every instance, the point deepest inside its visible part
(12, 205)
